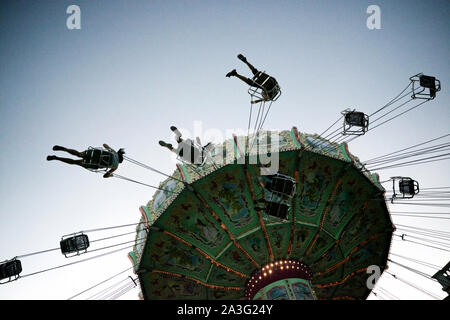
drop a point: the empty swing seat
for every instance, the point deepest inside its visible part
(281, 184)
(407, 188)
(10, 269)
(74, 244)
(425, 82)
(355, 122)
(443, 277)
(277, 209)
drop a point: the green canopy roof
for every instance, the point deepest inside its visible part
(202, 239)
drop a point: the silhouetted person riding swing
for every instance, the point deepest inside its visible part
(187, 149)
(93, 158)
(268, 85)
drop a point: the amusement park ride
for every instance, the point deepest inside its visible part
(221, 229)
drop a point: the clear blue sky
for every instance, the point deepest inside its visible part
(137, 67)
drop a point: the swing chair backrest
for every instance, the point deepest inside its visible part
(355, 118)
(427, 82)
(98, 159)
(407, 186)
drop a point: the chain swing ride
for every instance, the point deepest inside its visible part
(220, 229)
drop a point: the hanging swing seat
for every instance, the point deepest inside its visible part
(10, 270)
(407, 188)
(355, 122)
(443, 277)
(279, 190)
(424, 87)
(74, 244)
(281, 185)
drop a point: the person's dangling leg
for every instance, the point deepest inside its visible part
(252, 68)
(171, 148)
(71, 151)
(232, 73)
(248, 81)
(66, 160)
(177, 134)
(166, 145)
